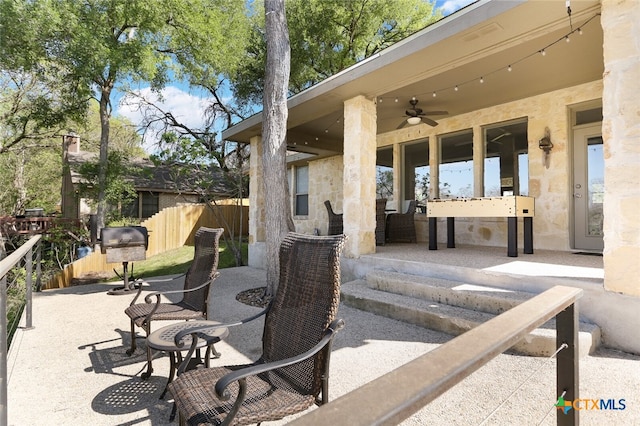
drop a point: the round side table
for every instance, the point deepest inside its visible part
(163, 340)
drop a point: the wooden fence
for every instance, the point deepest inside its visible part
(168, 229)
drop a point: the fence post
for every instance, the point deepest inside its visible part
(4, 418)
(567, 372)
(29, 289)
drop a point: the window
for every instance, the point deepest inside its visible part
(456, 165)
(417, 177)
(150, 204)
(384, 173)
(146, 202)
(301, 191)
(506, 163)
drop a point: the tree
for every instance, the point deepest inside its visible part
(328, 36)
(278, 220)
(92, 46)
(190, 166)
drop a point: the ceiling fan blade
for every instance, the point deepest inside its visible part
(429, 121)
(436, 112)
(404, 123)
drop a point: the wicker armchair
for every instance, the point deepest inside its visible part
(381, 204)
(335, 220)
(401, 226)
(292, 373)
(193, 306)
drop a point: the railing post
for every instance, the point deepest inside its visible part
(3, 352)
(39, 266)
(29, 289)
(567, 371)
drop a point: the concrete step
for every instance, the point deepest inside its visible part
(452, 308)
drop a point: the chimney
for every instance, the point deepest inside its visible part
(70, 144)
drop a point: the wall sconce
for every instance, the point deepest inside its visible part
(545, 143)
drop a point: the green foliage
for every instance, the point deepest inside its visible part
(29, 178)
(120, 188)
(59, 245)
(123, 135)
(328, 36)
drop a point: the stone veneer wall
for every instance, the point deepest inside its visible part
(621, 133)
(551, 186)
(325, 183)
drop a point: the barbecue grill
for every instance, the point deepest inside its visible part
(124, 244)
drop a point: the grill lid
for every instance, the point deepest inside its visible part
(123, 236)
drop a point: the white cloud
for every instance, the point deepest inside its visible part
(185, 107)
(450, 6)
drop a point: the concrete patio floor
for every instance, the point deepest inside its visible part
(71, 368)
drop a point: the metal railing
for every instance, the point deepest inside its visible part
(394, 397)
(24, 252)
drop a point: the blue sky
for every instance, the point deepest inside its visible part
(189, 106)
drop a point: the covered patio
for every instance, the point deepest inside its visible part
(72, 368)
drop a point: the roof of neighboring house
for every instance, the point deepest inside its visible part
(159, 178)
(479, 42)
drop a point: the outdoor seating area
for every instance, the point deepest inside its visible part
(401, 227)
(88, 377)
(194, 295)
(293, 371)
(390, 227)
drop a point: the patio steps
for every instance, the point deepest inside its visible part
(452, 307)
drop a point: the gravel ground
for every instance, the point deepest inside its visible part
(72, 369)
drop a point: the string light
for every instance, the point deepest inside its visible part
(509, 67)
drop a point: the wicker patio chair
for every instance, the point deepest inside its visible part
(193, 305)
(381, 204)
(401, 226)
(335, 220)
(292, 373)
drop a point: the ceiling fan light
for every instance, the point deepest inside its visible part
(414, 120)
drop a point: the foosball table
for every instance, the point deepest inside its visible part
(511, 207)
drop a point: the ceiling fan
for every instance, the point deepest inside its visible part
(415, 115)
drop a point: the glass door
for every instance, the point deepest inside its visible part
(588, 188)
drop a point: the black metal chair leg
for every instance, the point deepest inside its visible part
(131, 350)
(147, 373)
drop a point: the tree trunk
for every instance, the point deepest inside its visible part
(104, 153)
(19, 184)
(278, 219)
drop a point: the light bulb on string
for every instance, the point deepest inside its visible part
(481, 79)
(456, 88)
(509, 68)
(567, 39)
(434, 94)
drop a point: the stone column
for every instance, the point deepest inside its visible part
(621, 27)
(256, 203)
(478, 162)
(359, 177)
